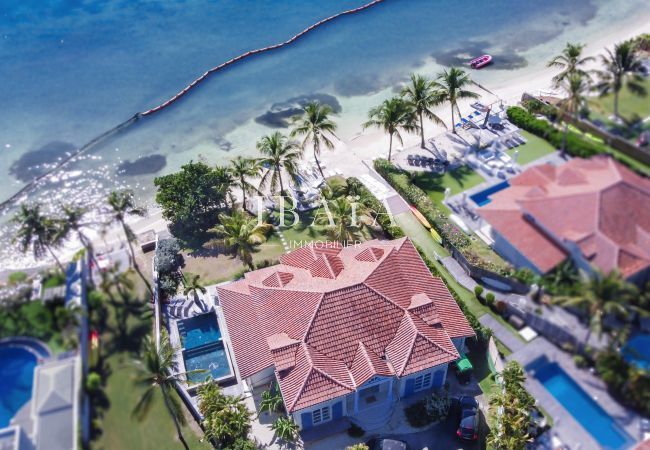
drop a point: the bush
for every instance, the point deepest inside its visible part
(53, 280)
(93, 382)
(580, 361)
(359, 446)
(242, 444)
(17, 277)
(378, 209)
(478, 291)
(500, 307)
(417, 415)
(168, 259)
(490, 299)
(355, 431)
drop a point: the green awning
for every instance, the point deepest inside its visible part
(464, 363)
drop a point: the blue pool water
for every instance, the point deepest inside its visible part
(198, 331)
(637, 351)
(16, 379)
(582, 407)
(203, 348)
(211, 358)
(483, 198)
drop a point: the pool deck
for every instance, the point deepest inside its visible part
(568, 429)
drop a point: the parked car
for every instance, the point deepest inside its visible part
(468, 418)
(386, 444)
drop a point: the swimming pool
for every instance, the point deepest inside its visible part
(637, 351)
(16, 378)
(482, 198)
(203, 348)
(580, 405)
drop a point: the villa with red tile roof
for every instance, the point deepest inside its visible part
(343, 329)
(595, 211)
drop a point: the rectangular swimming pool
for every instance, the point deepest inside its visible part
(580, 405)
(203, 348)
(483, 197)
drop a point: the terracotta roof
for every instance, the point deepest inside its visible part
(344, 316)
(597, 204)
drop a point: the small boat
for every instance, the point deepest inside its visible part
(420, 217)
(481, 61)
(436, 237)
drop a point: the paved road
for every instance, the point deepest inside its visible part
(440, 437)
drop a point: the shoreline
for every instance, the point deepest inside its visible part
(363, 145)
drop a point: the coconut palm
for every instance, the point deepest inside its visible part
(393, 115)
(622, 69)
(316, 127)
(603, 294)
(570, 61)
(242, 170)
(73, 220)
(193, 287)
(575, 86)
(122, 204)
(240, 233)
(38, 232)
(453, 83)
(156, 371)
(344, 223)
(422, 95)
(279, 153)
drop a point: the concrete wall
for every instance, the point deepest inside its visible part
(262, 379)
(459, 343)
(510, 253)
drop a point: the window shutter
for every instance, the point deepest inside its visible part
(306, 420)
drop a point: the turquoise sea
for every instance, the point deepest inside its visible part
(71, 69)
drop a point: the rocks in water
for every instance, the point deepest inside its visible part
(280, 113)
(35, 163)
(143, 166)
(506, 60)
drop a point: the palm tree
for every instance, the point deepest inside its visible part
(343, 222)
(285, 428)
(36, 231)
(570, 61)
(240, 233)
(241, 170)
(452, 84)
(622, 69)
(278, 153)
(73, 219)
(603, 294)
(192, 287)
(122, 204)
(422, 95)
(575, 85)
(316, 126)
(391, 116)
(156, 371)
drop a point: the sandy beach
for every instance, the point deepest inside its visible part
(357, 145)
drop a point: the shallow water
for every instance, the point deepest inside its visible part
(73, 68)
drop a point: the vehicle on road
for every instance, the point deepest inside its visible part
(468, 418)
(386, 444)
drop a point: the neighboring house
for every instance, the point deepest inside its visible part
(344, 330)
(594, 211)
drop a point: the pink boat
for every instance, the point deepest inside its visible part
(481, 61)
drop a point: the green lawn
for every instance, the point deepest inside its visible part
(533, 149)
(629, 104)
(127, 325)
(458, 180)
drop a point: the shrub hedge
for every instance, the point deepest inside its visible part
(576, 145)
(370, 201)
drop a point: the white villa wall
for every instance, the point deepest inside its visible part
(262, 379)
(510, 253)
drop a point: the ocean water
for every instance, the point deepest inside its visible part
(71, 69)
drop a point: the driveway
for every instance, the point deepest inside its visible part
(439, 437)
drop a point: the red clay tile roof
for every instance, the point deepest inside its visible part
(345, 315)
(598, 205)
